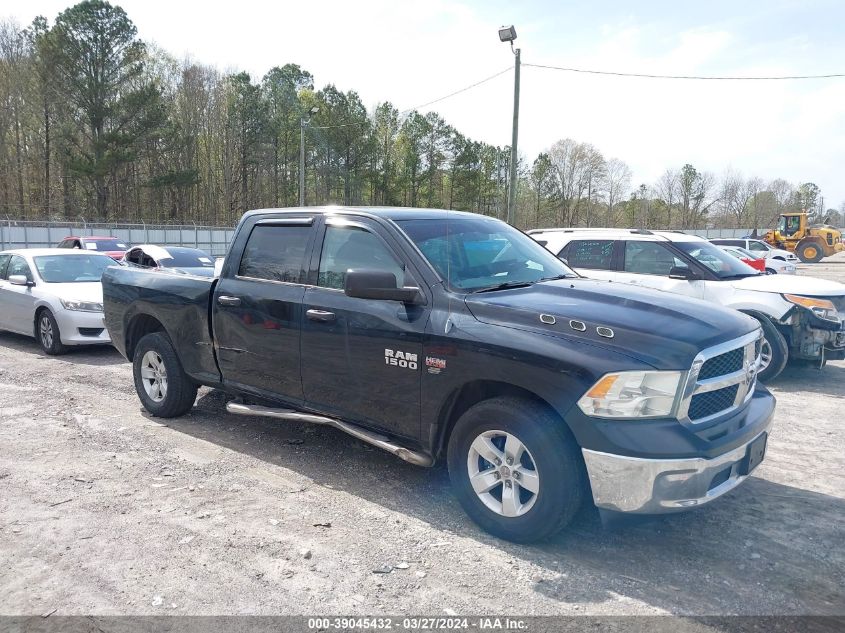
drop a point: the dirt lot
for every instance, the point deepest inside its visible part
(104, 510)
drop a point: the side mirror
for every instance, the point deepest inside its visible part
(682, 272)
(20, 280)
(376, 284)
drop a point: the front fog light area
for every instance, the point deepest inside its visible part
(632, 394)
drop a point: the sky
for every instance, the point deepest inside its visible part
(411, 52)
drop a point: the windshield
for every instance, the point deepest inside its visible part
(187, 258)
(473, 254)
(104, 245)
(723, 264)
(68, 269)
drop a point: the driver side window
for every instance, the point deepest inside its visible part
(18, 266)
(352, 248)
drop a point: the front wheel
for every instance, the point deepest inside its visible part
(164, 388)
(516, 469)
(48, 334)
(809, 253)
(774, 352)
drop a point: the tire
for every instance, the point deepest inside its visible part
(809, 253)
(771, 271)
(774, 348)
(47, 333)
(551, 461)
(164, 388)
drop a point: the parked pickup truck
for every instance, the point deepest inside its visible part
(447, 335)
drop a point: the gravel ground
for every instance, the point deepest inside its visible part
(107, 511)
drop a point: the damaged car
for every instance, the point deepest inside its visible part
(801, 317)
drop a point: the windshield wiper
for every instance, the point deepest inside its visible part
(505, 285)
(556, 277)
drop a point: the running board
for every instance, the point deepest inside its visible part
(413, 457)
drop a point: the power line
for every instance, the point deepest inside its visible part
(457, 92)
(700, 77)
(409, 110)
(328, 127)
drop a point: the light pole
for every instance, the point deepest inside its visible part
(302, 123)
(508, 34)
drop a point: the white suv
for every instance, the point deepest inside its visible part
(801, 317)
(758, 247)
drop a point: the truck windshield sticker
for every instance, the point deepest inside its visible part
(398, 358)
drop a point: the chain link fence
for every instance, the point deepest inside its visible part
(214, 240)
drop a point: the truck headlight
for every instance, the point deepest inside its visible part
(822, 308)
(632, 394)
(81, 306)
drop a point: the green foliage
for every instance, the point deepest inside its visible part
(94, 122)
(98, 66)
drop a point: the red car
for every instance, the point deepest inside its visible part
(757, 263)
(107, 245)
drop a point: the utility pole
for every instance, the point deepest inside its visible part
(513, 165)
(302, 123)
(301, 162)
(508, 34)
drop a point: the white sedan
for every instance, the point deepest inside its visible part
(53, 295)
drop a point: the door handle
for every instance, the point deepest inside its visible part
(321, 315)
(228, 301)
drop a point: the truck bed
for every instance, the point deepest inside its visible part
(179, 303)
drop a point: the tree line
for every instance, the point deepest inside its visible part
(97, 124)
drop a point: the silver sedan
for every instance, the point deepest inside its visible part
(53, 295)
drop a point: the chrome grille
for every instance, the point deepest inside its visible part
(705, 404)
(722, 364)
(721, 379)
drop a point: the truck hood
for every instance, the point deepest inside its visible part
(661, 329)
(791, 284)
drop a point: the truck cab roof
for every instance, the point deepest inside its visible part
(390, 213)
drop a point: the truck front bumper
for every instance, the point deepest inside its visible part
(659, 485)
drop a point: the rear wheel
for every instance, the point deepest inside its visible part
(516, 469)
(164, 388)
(771, 271)
(774, 352)
(48, 334)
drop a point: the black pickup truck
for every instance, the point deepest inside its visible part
(439, 334)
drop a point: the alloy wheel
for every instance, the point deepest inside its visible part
(154, 376)
(503, 473)
(765, 355)
(45, 328)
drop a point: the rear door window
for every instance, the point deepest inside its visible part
(650, 258)
(4, 260)
(275, 253)
(592, 254)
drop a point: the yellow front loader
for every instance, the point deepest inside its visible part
(809, 243)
